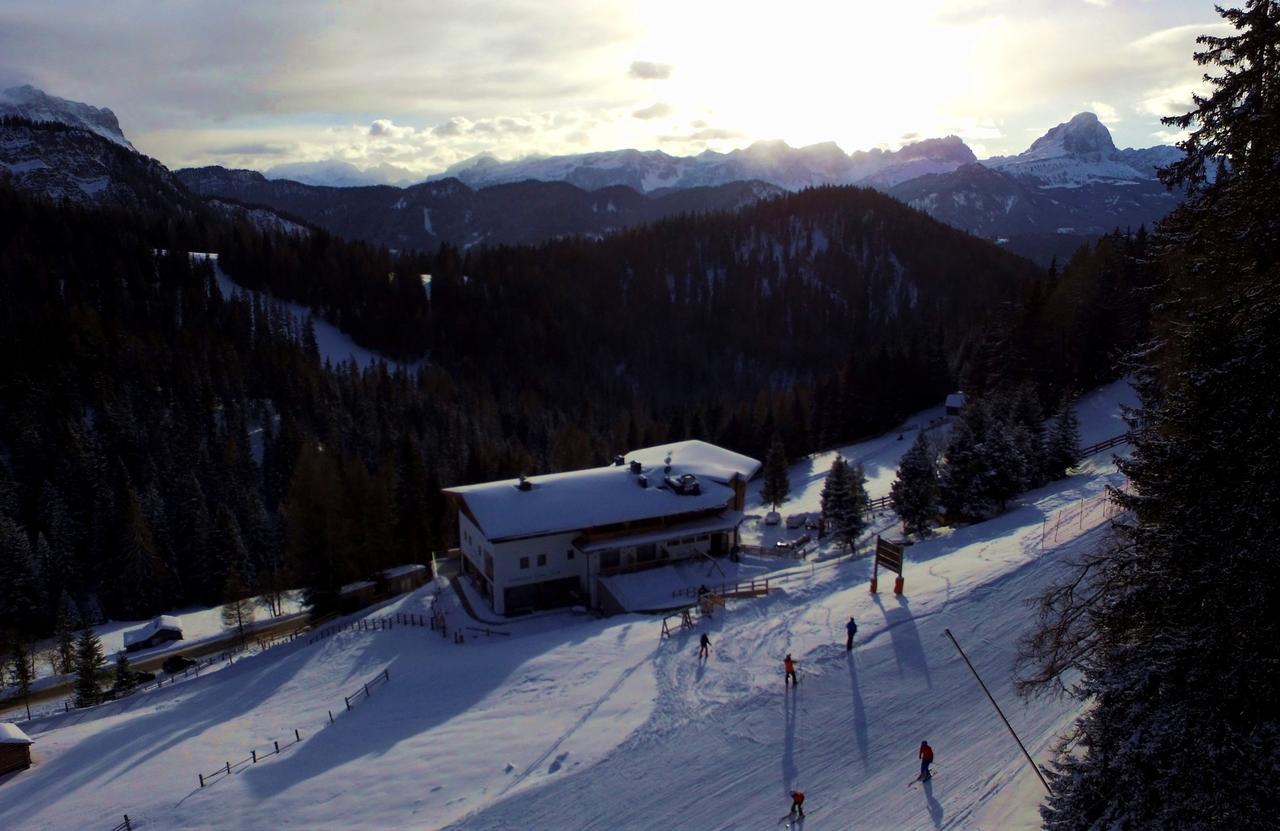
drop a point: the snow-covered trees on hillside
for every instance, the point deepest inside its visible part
(1169, 634)
(1062, 451)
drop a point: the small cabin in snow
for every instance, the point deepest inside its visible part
(545, 541)
(955, 403)
(161, 630)
(15, 748)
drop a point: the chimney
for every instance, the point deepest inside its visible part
(636, 467)
(525, 484)
(643, 480)
(618, 461)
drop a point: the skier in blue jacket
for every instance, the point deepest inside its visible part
(852, 628)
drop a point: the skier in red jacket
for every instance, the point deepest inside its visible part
(790, 666)
(926, 759)
(797, 804)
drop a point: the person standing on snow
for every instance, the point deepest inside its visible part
(790, 667)
(926, 759)
(704, 646)
(852, 628)
(797, 804)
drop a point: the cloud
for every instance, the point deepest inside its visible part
(650, 71)
(658, 110)
(1105, 112)
(385, 128)
(702, 136)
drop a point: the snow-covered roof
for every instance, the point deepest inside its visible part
(581, 499)
(956, 399)
(143, 632)
(11, 734)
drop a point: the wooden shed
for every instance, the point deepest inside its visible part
(15, 748)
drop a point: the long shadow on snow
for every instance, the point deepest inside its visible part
(906, 638)
(379, 724)
(205, 703)
(935, 807)
(859, 715)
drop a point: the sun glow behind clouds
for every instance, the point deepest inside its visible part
(861, 74)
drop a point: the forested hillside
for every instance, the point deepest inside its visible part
(160, 442)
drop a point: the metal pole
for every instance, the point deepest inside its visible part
(1030, 761)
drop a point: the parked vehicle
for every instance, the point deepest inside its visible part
(814, 522)
(177, 663)
(796, 520)
(772, 518)
(143, 677)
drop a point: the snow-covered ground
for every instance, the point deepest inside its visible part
(569, 721)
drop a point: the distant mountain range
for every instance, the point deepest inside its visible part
(1072, 185)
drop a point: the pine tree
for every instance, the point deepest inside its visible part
(64, 649)
(1063, 450)
(125, 680)
(1028, 419)
(89, 662)
(21, 671)
(1170, 655)
(777, 483)
(964, 481)
(914, 494)
(854, 508)
(835, 492)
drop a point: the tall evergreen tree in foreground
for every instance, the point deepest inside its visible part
(125, 680)
(835, 492)
(914, 493)
(89, 663)
(777, 484)
(1172, 630)
(21, 671)
(1063, 450)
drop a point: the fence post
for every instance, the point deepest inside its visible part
(254, 754)
(277, 744)
(330, 712)
(346, 701)
(201, 775)
(228, 768)
(386, 674)
(127, 825)
(296, 734)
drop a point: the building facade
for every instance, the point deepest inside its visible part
(545, 541)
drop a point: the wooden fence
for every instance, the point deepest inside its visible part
(1107, 444)
(374, 624)
(351, 700)
(743, 588)
(253, 758)
(125, 826)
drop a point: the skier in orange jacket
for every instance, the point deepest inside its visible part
(790, 667)
(797, 804)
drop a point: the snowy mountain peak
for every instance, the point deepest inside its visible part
(37, 105)
(948, 148)
(1083, 135)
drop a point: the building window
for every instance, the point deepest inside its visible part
(542, 559)
(524, 562)
(569, 554)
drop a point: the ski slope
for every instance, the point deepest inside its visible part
(569, 721)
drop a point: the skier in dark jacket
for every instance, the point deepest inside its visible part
(704, 646)
(926, 759)
(852, 628)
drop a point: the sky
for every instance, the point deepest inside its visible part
(423, 84)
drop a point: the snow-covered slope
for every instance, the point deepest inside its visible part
(37, 105)
(569, 721)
